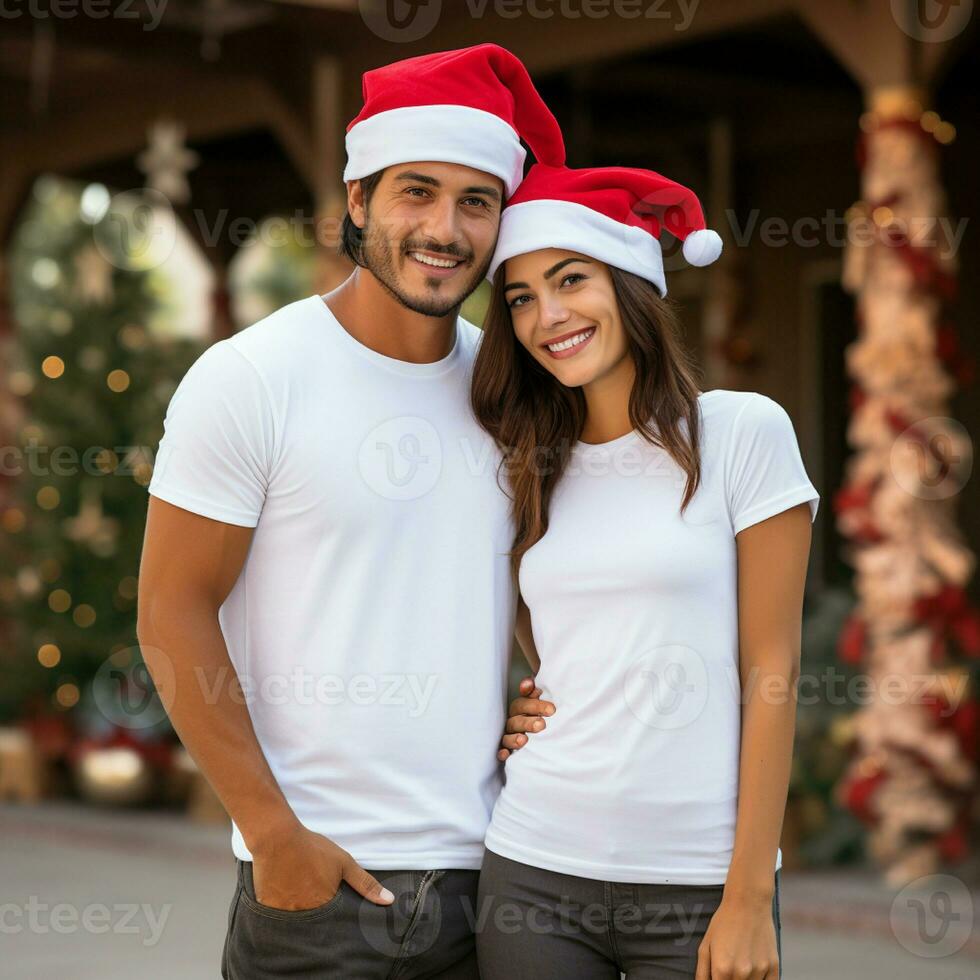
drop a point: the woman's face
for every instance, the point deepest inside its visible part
(563, 298)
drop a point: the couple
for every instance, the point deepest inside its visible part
(360, 500)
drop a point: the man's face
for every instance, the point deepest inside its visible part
(429, 230)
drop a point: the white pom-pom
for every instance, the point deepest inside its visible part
(702, 247)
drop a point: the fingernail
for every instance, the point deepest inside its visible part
(386, 896)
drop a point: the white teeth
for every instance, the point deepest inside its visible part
(572, 341)
(439, 263)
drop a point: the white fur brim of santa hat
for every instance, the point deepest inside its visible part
(563, 224)
(444, 133)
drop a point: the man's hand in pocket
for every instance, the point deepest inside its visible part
(526, 714)
(298, 869)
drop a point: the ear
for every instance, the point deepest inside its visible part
(355, 203)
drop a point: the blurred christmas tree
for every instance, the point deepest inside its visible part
(93, 378)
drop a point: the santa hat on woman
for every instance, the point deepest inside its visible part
(471, 106)
(614, 214)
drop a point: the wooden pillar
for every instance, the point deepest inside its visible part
(723, 282)
(911, 778)
(330, 194)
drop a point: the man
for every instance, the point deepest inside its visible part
(324, 582)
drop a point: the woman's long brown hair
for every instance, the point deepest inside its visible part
(535, 420)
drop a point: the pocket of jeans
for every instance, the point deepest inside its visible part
(249, 899)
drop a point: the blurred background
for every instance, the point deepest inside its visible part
(170, 173)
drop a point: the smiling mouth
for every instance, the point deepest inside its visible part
(437, 266)
(570, 345)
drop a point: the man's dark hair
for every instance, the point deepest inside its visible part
(352, 237)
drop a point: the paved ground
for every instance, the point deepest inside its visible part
(87, 894)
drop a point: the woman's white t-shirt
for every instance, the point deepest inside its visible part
(634, 614)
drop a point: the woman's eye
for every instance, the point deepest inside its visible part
(572, 278)
(518, 301)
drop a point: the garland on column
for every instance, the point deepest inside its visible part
(913, 772)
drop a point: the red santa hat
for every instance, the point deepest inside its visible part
(471, 106)
(614, 214)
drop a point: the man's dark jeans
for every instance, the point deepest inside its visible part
(427, 932)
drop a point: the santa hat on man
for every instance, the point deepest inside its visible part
(471, 106)
(614, 214)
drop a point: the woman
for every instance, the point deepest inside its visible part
(661, 551)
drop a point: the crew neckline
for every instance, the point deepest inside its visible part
(407, 368)
(630, 437)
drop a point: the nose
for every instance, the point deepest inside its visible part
(440, 223)
(552, 312)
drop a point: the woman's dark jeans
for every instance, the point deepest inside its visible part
(550, 926)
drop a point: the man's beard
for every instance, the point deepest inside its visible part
(378, 257)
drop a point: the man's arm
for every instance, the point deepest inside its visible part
(189, 565)
(525, 712)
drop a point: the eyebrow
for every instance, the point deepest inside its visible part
(411, 175)
(419, 178)
(548, 273)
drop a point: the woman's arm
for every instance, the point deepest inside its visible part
(772, 563)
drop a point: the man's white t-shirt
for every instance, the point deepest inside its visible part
(373, 619)
(634, 613)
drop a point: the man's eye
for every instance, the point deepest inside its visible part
(420, 190)
(478, 201)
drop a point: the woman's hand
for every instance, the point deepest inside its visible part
(740, 942)
(525, 715)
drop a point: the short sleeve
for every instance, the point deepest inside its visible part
(765, 471)
(217, 449)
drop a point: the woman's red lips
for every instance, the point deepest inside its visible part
(565, 336)
(586, 334)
